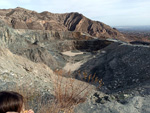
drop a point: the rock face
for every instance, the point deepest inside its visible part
(20, 18)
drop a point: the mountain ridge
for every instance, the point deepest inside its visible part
(20, 18)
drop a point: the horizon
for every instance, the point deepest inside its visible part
(113, 13)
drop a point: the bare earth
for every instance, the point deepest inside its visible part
(69, 53)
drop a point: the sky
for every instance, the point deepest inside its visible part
(110, 12)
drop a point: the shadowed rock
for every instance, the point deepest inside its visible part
(121, 67)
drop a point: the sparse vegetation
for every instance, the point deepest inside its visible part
(69, 92)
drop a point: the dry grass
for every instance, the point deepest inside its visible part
(69, 92)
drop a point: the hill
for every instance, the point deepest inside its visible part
(20, 18)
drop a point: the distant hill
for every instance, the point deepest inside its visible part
(136, 33)
(20, 18)
(134, 28)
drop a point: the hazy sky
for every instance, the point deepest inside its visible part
(111, 12)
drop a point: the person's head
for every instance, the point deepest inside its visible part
(10, 101)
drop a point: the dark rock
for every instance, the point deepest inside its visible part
(121, 66)
(139, 43)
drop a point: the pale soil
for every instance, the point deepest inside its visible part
(69, 53)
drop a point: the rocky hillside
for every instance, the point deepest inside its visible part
(30, 79)
(20, 18)
(46, 46)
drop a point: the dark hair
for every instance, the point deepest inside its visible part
(10, 101)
